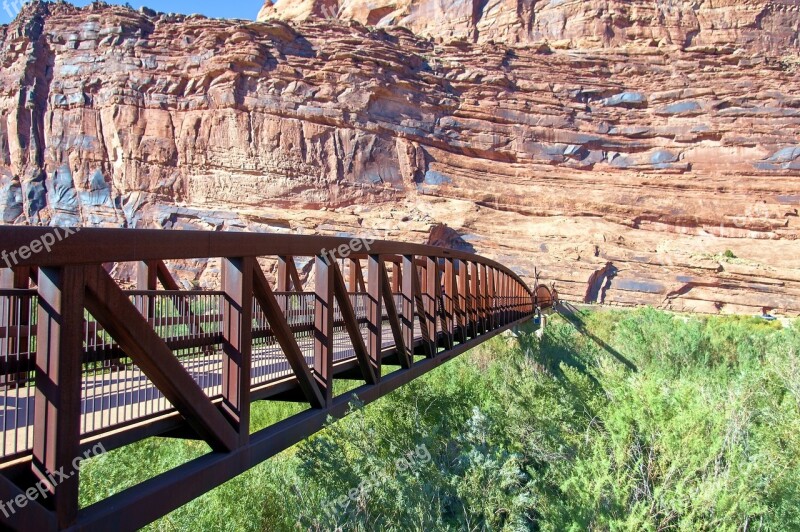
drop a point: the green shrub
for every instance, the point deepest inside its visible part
(631, 420)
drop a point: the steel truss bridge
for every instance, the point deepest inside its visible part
(87, 359)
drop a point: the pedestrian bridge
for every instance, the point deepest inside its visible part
(101, 343)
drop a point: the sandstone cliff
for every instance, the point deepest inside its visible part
(764, 25)
(623, 171)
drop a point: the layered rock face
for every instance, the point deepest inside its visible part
(627, 172)
(757, 24)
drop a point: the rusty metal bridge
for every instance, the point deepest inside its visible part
(86, 358)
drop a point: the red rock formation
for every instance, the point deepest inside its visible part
(652, 156)
(763, 25)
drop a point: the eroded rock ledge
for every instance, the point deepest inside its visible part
(655, 157)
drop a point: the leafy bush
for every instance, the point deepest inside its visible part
(614, 420)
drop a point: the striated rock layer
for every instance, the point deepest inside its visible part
(763, 25)
(626, 172)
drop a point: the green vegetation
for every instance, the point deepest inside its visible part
(616, 421)
(729, 254)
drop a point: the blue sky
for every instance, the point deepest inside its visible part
(247, 9)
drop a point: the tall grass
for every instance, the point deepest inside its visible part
(635, 420)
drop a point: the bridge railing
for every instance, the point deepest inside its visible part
(87, 358)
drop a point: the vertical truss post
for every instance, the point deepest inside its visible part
(492, 302)
(513, 300)
(323, 327)
(499, 299)
(509, 291)
(420, 288)
(433, 290)
(531, 298)
(474, 296)
(514, 294)
(523, 304)
(462, 307)
(507, 299)
(375, 312)
(484, 298)
(478, 294)
(408, 300)
(237, 332)
(146, 279)
(56, 441)
(450, 291)
(352, 277)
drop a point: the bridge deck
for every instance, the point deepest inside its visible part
(124, 393)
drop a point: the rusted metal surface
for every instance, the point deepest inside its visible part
(116, 366)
